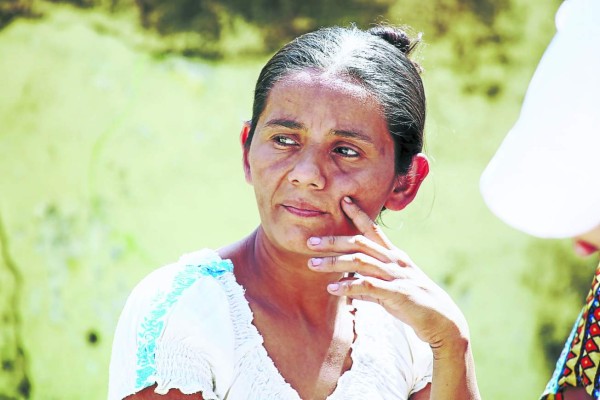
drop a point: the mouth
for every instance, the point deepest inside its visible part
(303, 209)
(584, 249)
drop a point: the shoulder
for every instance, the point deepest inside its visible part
(178, 314)
(173, 279)
(194, 281)
(191, 290)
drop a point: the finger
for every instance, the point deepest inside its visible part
(397, 296)
(364, 223)
(364, 288)
(360, 263)
(339, 245)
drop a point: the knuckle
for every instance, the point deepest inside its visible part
(394, 272)
(366, 284)
(400, 257)
(375, 228)
(331, 240)
(359, 239)
(333, 261)
(359, 259)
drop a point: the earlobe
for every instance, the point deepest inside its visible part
(408, 185)
(243, 139)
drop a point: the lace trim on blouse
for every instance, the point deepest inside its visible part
(267, 382)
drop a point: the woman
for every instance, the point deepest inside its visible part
(544, 179)
(335, 137)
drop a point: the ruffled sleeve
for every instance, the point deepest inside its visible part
(420, 357)
(175, 331)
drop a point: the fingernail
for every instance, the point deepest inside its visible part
(316, 262)
(314, 241)
(347, 199)
(333, 287)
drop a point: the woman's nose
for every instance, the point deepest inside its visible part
(308, 171)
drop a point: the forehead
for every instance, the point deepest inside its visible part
(325, 98)
(325, 84)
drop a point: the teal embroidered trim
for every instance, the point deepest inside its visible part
(153, 323)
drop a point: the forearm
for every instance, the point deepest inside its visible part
(454, 372)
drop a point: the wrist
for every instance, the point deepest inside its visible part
(453, 346)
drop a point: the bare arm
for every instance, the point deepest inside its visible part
(454, 377)
(422, 394)
(173, 394)
(454, 372)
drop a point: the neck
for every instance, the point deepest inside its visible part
(280, 280)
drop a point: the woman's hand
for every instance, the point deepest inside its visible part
(388, 276)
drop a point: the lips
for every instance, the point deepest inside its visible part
(303, 208)
(584, 249)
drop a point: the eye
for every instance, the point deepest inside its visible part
(346, 152)
(284, 141)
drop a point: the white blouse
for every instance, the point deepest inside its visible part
(188, 326)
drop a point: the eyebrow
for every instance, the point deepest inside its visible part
(286, 123)
(352, 135)
(291, 124)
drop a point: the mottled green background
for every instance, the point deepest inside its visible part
(117, 155)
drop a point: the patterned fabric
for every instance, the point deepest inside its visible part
(578, 364)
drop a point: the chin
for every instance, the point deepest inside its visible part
(295, 240)
(291, 240)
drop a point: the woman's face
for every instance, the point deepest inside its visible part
(588, 243)
(319, 138)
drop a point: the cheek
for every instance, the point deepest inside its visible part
(266, 176)
(369, 191)
(263, 173)
(265, 161)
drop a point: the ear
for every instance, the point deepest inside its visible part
(243, 139)
(408, 185)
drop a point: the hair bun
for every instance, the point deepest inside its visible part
(396, 37)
